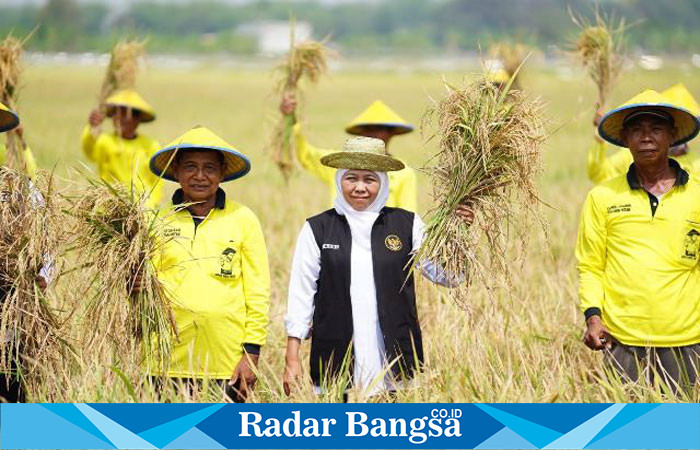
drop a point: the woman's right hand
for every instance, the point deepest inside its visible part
(292, 375)
(135, 284)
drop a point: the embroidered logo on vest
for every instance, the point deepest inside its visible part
(331, 246)
(393, 243)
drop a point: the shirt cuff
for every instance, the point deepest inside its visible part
(252, 349)
(298, 330)
(591, 312)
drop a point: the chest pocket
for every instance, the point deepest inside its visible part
(225, 260)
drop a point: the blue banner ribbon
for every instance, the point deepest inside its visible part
(349, 426)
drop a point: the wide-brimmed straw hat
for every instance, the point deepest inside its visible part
(200, 138)
(679, 95)
(650, 102)
(378, 115)
(8, 119)
(129, 98)
(363, 153)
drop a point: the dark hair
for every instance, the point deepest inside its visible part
(183, 151)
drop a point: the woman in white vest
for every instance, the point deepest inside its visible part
(350, 289)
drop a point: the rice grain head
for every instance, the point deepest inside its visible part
(306, 60)
(599, 48)
(489, 158)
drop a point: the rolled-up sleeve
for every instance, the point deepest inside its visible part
(306, 267)
(591, 255)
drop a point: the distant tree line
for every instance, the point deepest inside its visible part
(406, 26)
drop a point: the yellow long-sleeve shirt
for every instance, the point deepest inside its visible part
(601, 167)
(641, 269)
(27, 156)
(124, 161)
(218, 279)
(402, 183)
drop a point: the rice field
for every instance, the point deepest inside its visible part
(518, 346)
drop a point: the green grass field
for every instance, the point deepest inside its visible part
(524, 345)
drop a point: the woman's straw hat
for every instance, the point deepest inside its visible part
(200, 138)
(378, 115)
(8, 119)
(129, 98)
(650, 102)
(363, 153)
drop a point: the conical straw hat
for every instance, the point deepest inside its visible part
(378, 114)
(8, 119)
(130, 99)
(200, 138)
(610, 127)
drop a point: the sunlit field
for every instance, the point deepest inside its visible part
(522, 345)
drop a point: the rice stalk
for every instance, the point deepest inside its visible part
(489, 158)
(306, 60)
(599, 48)
(123, 68)
(11, 49)
(119, 239)
(31, 239)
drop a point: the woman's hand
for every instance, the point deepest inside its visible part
(466, 213)
(292, 369)
(292, 375)
(41, 282)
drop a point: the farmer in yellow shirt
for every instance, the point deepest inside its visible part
(213, 264)
(377, 121)
(122, 156)
(602, 167)
(638, 258)
(8, 121)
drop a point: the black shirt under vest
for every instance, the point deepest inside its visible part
(332, 329)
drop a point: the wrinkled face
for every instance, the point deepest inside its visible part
(126, 120)
(378, 132)
(649, 139)
(360, 188)
(199, 174)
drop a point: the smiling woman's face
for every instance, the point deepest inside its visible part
(360, 188)
(199, 174)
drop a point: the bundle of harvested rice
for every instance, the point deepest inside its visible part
(123, 68)
(30, 241)
(119, 237)
(11, 50)
(306, 60)
(489, 157)
(599, 47)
